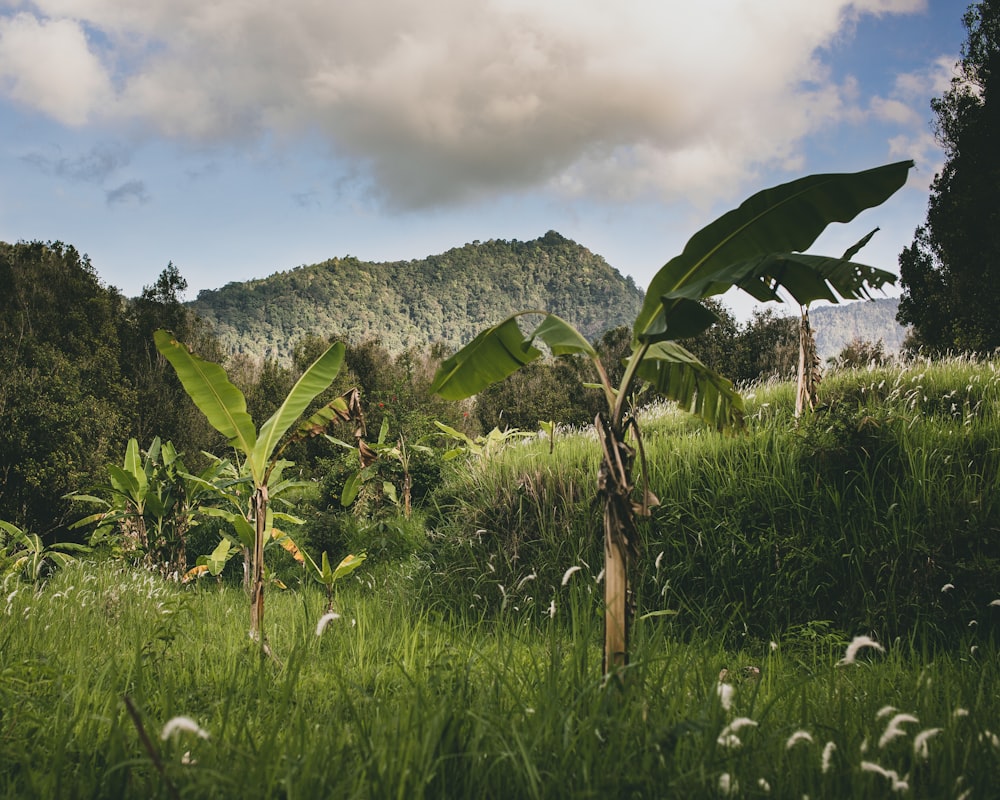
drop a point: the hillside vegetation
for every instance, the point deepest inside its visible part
(855, 517)
(462, 659)
(445, 298)
(872, 321)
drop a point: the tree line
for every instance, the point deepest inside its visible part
(82, 376)
(442, 298)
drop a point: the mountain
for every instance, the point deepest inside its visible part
(835, 326)
(446, 298)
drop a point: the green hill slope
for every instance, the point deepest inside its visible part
(837, 326)
(445, 298)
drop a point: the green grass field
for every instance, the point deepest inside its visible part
(466, 662)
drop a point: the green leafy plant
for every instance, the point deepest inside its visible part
(482, 447)
(23, 555)
(214, 562)
(150, 503)
(232, 493)
(226, 410)
(329, 576)
(372, 455)
(757, 247)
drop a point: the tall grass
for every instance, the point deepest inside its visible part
(858, 514)
(391, 701)
(469, 666)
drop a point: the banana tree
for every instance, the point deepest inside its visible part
(129, 501)
(757, 247)
(329, 576)
(150, 503)
(24, 554)
(224, 406)
(231, 494)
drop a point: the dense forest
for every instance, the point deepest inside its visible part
(443, 298)
(836, 327)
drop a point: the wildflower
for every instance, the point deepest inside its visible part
(728, 784)
(885, 711)
(765, 787)
(798, 736)
(659, 560)
(774, 646)
(894, 729)
(857, 643)
(960, 712)
(947, 587)
(827, 760)
(920, 742)
(552, 609)
(994, 603)
(568, 573)
(898, 784)
(325, 620)
(185, 724)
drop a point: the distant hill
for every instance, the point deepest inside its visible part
(836, 326)
(445, 298)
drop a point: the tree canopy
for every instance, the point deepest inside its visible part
(443, 298)
(64, 408)
(950, 274)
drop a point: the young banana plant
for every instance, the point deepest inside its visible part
(329, 576)
(757, 247)
(224, 406)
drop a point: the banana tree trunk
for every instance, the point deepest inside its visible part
(614, 484)
(615, 597)
(257, 565)
(809, 372)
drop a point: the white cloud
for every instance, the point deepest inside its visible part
(910, 95)
(896, 111)
(445, 100)
(48, 64)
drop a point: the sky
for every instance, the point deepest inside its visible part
(239, 138)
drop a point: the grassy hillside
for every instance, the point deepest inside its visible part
(464, 657)
(855, 517)
(445, 298)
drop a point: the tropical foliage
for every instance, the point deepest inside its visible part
(24, 556)
(756, 247)
(150, 504)
(225, 408)
(443, 298)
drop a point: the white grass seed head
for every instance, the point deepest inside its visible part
(856, 645)
(182, 725)
(325, 620)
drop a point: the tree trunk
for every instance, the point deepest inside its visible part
(809, 372)
(614, 485)
(615, 597)
(257, 566)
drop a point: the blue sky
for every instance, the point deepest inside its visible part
(239, 138)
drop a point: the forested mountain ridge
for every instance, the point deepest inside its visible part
(446, 298)
(836, 326)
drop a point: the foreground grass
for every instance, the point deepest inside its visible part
(392, 701)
